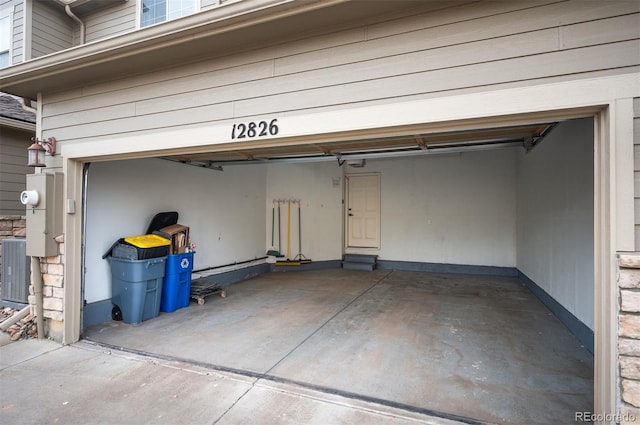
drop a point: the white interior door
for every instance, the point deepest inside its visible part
(363, 210)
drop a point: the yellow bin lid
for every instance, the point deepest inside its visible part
(147, 241)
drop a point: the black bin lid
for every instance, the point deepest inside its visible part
(162, 220)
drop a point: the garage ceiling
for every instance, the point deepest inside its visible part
(526, 136)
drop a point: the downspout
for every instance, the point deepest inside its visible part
(67, 8)
(26, 105)
(37, 291)
(36, 271)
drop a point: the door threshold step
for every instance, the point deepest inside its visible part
(359, 262)
(350, 265)
(360, 258)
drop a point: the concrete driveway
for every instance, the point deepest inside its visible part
(43, 382)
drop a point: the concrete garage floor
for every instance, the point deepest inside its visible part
(465, 347)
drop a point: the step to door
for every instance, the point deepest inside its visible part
(358, 266)
(359, 262)
(360, 258)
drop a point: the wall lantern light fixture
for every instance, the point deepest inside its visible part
(38, 148)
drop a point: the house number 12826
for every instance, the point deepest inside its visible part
(255, 129)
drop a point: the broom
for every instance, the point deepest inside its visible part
(273, 250)
(288, 262)
(300, 257)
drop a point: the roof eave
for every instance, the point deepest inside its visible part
(28, 78)
(17, 124)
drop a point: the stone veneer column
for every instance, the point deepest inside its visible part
(52, 269)
(629, 337)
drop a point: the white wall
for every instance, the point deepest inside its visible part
(224, 210)
(455, 209)
(555, 217)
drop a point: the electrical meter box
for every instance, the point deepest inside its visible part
(43, 201)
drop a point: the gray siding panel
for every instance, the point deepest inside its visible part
(112, 21)
(18, 34)
(52, 29)
(457, 49)
(13, 169)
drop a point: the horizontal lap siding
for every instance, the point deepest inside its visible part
(17, 52)
(461, 48)
(52, 29)
(111, 21)
(13, 169)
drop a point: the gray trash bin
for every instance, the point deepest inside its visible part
(136, 287)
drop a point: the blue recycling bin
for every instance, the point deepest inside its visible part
(176, 285)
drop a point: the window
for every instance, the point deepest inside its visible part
(156, 11)
(5, 45)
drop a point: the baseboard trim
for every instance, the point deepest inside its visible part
(229, 278)
(96, 313)
(581, 331)
(314, 265)
(446, 268)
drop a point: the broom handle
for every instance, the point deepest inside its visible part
(299, 231)
(288, 227)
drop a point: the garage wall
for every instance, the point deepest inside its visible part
(457, 49)
(319, 188)
(555, 217)
(452, 209)
(224, 210)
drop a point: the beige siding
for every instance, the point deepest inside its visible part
(636, 167)
(110, 21)
(18, 34)
(13, 169)
(454, 50)
(52, 29)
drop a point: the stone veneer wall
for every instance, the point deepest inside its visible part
(11, 226)
(629, 337)
(52, 270)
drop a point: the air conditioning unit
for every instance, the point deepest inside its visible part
(15, 270)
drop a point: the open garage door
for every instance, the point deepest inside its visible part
(513, 213)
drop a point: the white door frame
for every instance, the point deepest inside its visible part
(608, 99)
(346, 214)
